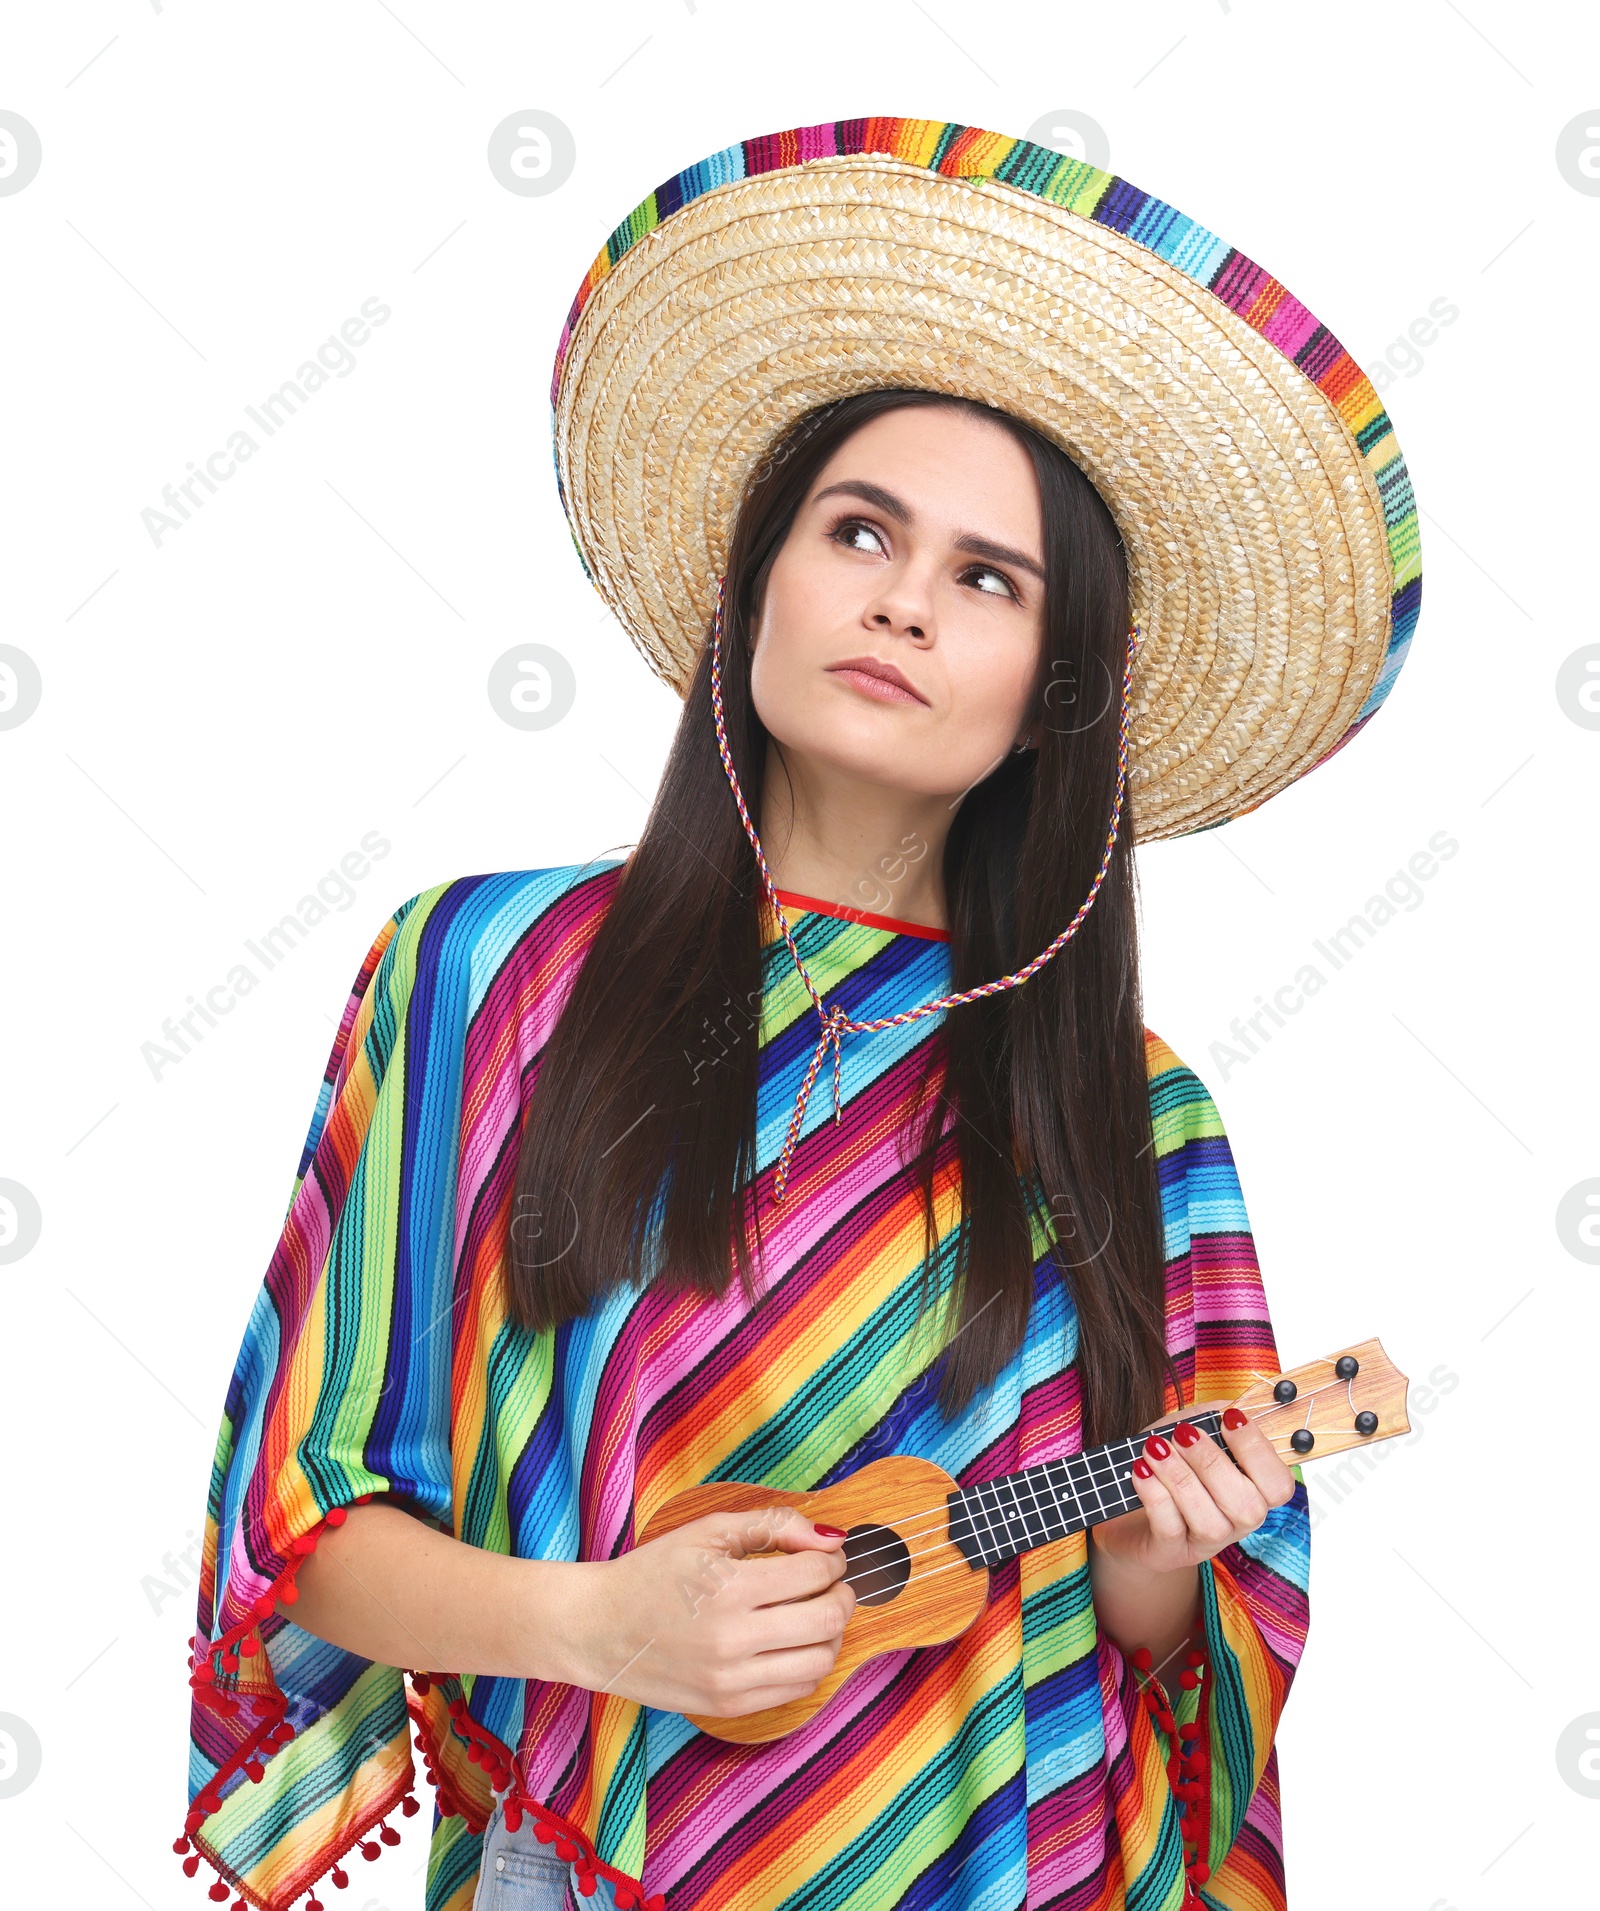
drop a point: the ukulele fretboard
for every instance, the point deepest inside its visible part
(995, 1520)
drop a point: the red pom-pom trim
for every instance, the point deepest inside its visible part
(1188, 1765)
(484, 1749)
(221, 1656)
(571, 1844)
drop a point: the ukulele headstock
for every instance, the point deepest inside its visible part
(1349, 1399)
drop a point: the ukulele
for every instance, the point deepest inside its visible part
(920, 1547)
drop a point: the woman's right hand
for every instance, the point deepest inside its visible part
(690, 1622)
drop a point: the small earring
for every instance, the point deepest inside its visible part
(1023, 744)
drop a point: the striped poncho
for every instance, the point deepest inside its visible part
(1018, 1765)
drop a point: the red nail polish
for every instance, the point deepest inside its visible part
(1235, 1418)
(1156, 1447)
(828, 1532)
(1185, 1434)
(1144, 1469)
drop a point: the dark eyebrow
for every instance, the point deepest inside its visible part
(886, 501)
(893, 507)
(997, 553)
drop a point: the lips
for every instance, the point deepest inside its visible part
(877, 679)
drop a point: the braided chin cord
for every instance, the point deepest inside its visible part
(835, 1024)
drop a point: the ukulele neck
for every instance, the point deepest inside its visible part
(995, 1520)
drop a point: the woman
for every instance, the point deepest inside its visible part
(635, 1176)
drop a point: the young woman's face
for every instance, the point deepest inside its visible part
(901, 625)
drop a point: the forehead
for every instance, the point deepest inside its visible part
(933, 456)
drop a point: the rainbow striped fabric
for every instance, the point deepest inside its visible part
(1248, 289)
(1015, 1766)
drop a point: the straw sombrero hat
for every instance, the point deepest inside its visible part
(1255, 477)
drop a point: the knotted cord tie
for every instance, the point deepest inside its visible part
(834, 1022)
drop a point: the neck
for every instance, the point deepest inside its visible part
(845, 839)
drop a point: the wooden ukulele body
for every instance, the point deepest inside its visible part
(919, 1592)
(916, 1586)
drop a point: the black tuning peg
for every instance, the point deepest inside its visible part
(1285, 1390)
(1366, 1421)
(1347, 1366)
(1302, 1439)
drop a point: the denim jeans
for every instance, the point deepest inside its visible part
(520, 1874)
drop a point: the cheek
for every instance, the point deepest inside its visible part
(779, 689)
(782, 675)
(988, 700)
(784, 662)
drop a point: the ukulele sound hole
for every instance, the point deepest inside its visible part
(879, 1566)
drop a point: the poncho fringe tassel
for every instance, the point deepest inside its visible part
(210, 1677)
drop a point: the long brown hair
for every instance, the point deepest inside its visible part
(641, 1136)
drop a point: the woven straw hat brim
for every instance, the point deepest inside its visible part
(1259, 525)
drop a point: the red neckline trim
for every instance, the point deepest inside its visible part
(846, 914)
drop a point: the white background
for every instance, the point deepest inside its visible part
(225, 715)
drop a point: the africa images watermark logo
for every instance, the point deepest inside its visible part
(179, 1575)
(1402, 356)
(1402, 892)
(334, 359)
(334, 894)
(1331, 1484)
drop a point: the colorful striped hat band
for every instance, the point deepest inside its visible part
(835, 1023)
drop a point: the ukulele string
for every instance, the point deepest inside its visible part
(941, 1530)
(977, 1515)
(935, 1512)
(930, 1572)
(1277, 1407)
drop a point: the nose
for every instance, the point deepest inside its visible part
(903, 606)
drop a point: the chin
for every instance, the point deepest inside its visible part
(892, 763)
(854, 735)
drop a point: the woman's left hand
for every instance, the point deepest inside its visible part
(1195, 1501)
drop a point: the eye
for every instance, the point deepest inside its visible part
(843, 532)
(988, 570)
